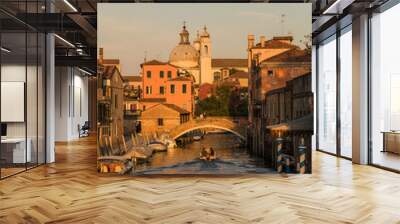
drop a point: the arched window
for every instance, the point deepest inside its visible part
(206, 49)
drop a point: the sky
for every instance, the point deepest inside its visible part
(131, 31)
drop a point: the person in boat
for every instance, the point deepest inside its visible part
(208, 154)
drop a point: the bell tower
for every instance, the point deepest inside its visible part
(184, 35)
(206, 75)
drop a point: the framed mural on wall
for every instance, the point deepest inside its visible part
(204, 88)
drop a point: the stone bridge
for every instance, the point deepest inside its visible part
(237, 127)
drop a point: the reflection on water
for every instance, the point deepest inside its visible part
(185, 160)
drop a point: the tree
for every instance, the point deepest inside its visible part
(227, 101)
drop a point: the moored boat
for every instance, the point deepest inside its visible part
(158, 146)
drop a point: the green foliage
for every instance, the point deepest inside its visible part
(227, 101)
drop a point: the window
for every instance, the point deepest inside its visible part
(217, 76)
(133, 107)
(161, 74)
(385, 89)
(148, 89)
(148, 74)
(169, 74)
(116, 100)
(22, 65)
(160, 122)
(172, 89)
(270, 73)
(162, 90)
(225, 73)
(346, 93)
(327, 96)
(184, 88)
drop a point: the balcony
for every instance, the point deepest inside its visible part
(132, 112)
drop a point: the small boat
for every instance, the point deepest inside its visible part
(158, 146)
(145, 150)
(208, 154)
(196, 138)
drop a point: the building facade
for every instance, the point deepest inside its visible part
(162, 118)
(179, 92)
(162, 83)
(288, 112)
(271, 64)
(196, 58)
(110, 99)
(132, 93)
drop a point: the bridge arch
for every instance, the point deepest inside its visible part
(217, 123)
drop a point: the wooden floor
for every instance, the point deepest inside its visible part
(387, 159)
(71, 191)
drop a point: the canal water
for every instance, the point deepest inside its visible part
(231, 159)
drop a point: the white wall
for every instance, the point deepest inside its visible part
(15, 73)
(33, 127)
(314, 90)
(71, 102)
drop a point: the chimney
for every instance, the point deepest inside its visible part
(101, 54)
(250, 41)
(262, 41)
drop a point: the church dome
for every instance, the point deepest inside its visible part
(184, 55)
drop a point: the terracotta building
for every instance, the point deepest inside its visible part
(155, 76)
(179, 92)
(163, 118)
(271, 64)
(222, 68)
(241, 78)
(162, 83)
(275, 71)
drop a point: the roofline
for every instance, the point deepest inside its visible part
(164, 104)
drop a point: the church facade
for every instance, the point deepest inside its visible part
(196, 58)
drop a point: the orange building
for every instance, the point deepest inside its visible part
(162, 84)
(180, 93)
(155, 76)
(275, 71)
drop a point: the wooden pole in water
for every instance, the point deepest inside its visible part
(133, 139)
(301, 165)
(134, 161)
(279, 153)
